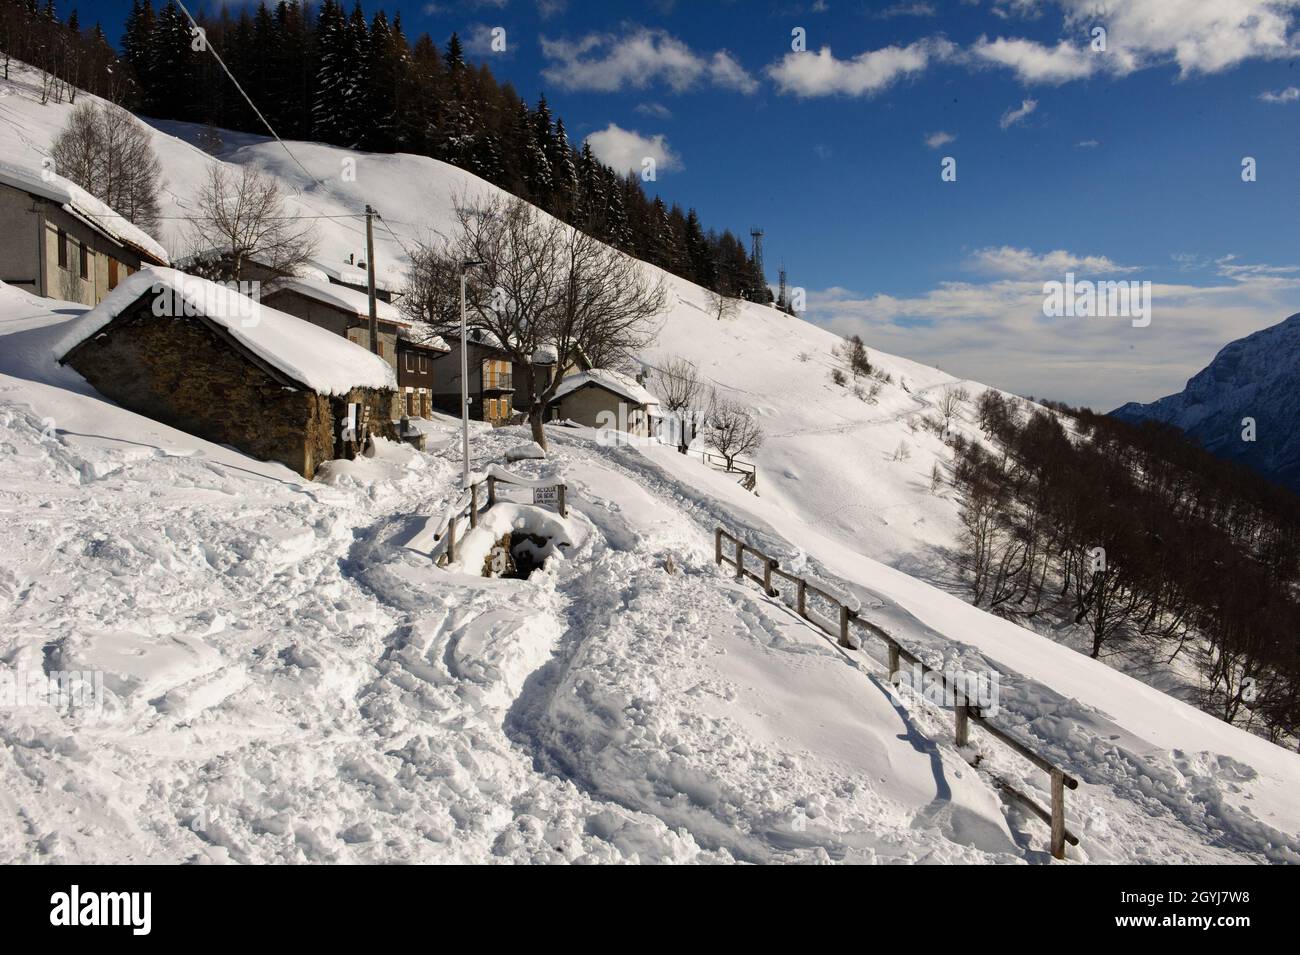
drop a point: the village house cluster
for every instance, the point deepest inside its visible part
(285, 371)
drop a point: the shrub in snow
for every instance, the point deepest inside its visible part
(859, 364)
(839, 377)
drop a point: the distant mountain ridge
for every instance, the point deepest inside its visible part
(1253, 377)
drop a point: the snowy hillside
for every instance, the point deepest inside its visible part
(1257, 377)
(287, 680)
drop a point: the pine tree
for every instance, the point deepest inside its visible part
(564, 173)
(699, 256)
(138, 48)
(173, 65)
(332, 80)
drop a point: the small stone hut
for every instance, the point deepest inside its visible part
(198, 356)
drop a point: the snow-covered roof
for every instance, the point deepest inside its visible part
(339, 296)
(413, 337)
(356, 275)
(614, 381)
(77, 201)
(326, 363)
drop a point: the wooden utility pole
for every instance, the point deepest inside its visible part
(370, 278)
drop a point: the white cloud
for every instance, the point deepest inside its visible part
(822, 74)
(639, 58)
(940, 138)
(1018, 114)
(477, 39)
(1010, 262)
(915, 9)
(1200, 36)
(1288, 95)
(1087, 144)
(1035, 63)
(626, 149)
(995, 332)
(654, 110)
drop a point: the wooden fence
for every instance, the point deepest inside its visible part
(838, 625)
(467, 507)
(747, 471)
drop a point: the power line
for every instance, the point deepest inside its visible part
(118, 215)
(247, 98)
(395, 238)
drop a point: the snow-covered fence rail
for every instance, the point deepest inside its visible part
(467, 506)
(844, 614)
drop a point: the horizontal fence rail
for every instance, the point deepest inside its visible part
(747, 471)
(842, 615)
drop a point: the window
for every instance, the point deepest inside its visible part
(424, 364)
(496, 373)
(410, 361)
(112, 273)
(85, 260)
(63, 249)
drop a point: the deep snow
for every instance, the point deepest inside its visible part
(289, 679)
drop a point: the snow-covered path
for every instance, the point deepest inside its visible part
(286, 682)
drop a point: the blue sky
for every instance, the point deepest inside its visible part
(1124, 163)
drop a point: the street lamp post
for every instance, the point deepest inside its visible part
(464, 378)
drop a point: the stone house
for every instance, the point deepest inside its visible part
(200, 357)
(60, 242)
(415, 377)
(493, 379)
(600, 398)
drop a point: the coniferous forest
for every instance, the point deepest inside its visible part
(326, 73)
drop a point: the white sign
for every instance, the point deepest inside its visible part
(546, 495)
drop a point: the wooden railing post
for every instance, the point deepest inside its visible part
(893, 662)
(563, 510)
(767, 577)
(740, 561)
(473, 505)
(844, 627)
(717, 546)
(962, 719)
(1058, 814)
(802, 599)
(451, 540)
(492, 491)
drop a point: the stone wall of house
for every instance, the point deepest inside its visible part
(182, 373)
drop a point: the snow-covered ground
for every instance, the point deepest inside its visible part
(287, 679)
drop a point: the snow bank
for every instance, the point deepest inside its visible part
(532, 451)
(320, 360)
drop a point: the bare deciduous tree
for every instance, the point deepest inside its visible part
(950, 402)
(732, 431)
(107, 152)
(242, 215)
(721, 306)
(542, 287)
(684, 396)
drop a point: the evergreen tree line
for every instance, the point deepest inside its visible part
(325, 73)
(69, 56)
(1144, 539)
